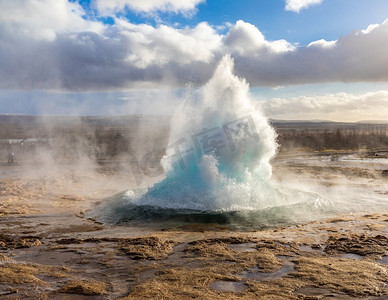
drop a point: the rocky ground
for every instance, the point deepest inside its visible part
(51, 249)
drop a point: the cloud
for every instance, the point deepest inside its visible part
(298, 5)
(335, 107)
(245, 39)
(44, 19)
(358, 56)
(322, 44)
(109, 7)
(120, 57)
(58, 48)
(149, 46)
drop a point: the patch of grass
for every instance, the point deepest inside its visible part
(14, 273)
(83, 287)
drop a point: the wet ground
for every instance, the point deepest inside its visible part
(51, 249)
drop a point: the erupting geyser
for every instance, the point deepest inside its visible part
(219, 151)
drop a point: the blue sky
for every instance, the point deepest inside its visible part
(328, 20)
(63, 57)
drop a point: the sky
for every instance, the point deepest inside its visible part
(303, 59)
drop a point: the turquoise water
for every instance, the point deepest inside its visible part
(120, 210)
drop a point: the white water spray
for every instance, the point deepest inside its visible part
(219, 152)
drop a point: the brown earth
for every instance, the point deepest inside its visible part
(50, 249)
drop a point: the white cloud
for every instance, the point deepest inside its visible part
(56, 48)
(150, 46)
(44, 19)
(370, 28)
(119, 57)
(107, 7)
(298, 5)
(335, 107)
(246, 39)
(322, 43)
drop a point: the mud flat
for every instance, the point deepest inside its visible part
(51, 249)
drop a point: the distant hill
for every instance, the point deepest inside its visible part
(27, 126)
(300, 121)
(373, 122)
